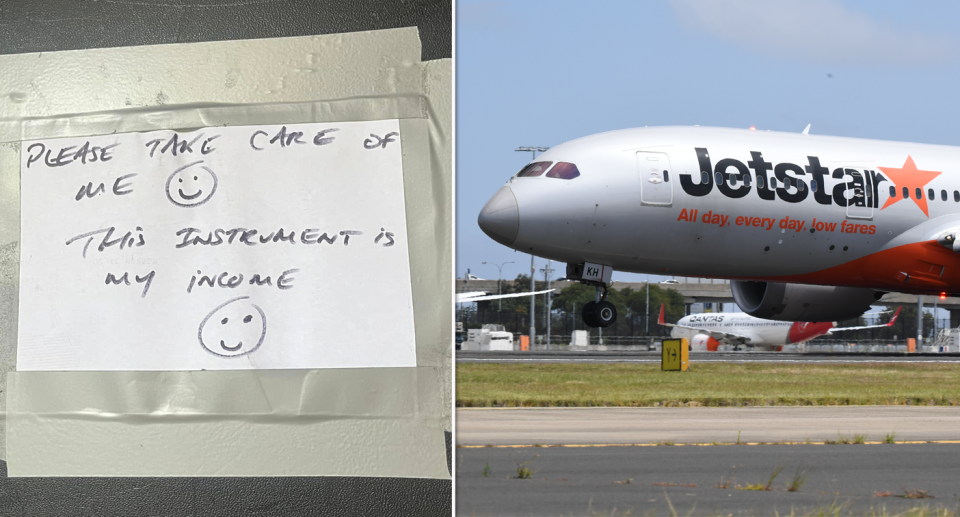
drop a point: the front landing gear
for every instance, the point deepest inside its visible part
(600, 313)
(605, 314)
(587, 314)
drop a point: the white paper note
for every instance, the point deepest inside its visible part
(223, 248)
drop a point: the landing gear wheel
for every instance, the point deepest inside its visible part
(588, 315)
(605, 314)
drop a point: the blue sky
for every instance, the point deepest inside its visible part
(538, 73)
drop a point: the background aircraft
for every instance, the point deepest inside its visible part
(706, 332)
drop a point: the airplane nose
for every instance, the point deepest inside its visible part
(500, 217)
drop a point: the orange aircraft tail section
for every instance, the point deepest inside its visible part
(661, 320)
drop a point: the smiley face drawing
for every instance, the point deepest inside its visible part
(191, 185)
(234, 328)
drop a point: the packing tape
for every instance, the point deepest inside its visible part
(356, 422)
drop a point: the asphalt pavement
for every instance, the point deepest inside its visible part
(625, 425)
(708, 480)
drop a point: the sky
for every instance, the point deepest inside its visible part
(538, 73)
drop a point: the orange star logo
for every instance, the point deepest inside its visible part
(912, 179)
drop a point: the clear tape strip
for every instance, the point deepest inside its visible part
(380, 392)
(185, 117)
(369, 422)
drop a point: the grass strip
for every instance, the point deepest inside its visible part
(707, 384)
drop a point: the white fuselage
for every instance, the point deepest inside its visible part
(760, 332)
(740, 204)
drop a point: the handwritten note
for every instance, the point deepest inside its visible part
(222, 248)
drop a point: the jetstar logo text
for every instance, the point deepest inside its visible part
(790, 182)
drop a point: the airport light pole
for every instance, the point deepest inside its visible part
(533, 266)
(533, 300)
(574, 317)
(934, 320)
(919, 320)
(533, 150)
(646, 327)
(547, 271)
(499, 290)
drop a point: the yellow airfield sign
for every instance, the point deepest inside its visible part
(676, 355)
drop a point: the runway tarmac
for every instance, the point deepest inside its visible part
(593, 480)
(581, 458)
(549, 356)
(621, 425)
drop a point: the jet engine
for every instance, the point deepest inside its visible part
(799, 302)
(704, 343)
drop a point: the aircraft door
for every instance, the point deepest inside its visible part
(656, 178)
(860, 193)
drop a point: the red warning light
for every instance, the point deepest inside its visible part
(943, 296)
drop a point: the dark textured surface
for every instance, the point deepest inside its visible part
(223, 496)
(51, 25)
(591, 480)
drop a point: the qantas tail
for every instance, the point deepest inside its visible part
(894, 318)
(661, 320)
(887, 324)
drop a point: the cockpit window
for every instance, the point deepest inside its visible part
(533, 169)
(564, 171)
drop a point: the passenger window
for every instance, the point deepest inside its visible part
(719, 179)
(704, 177)
(733, 180)
(943, 195)
(813, 185)
(956, 196)
(773, 183)
(746, 179)
(533, 169)
(666, 176)
(906, 193)
(893, 191)
(930, 194)
(564, 171)
(918, 193)
(801, 186)
(759, 181)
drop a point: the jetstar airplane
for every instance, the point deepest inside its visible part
(808, 228)
(706, 332)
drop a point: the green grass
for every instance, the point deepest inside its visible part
(762, 486)
(835, 509)
(523, 470)
(708, 384)
(799, 478)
